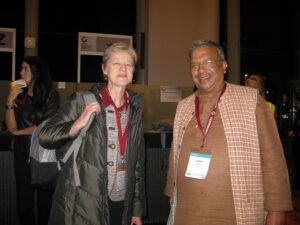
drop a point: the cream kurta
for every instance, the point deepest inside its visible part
(211, 201)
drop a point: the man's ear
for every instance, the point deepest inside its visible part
(225, 66)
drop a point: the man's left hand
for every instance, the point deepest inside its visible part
(275, 218)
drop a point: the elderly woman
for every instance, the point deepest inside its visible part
(111, 157)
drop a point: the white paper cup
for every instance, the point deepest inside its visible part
(20, 81)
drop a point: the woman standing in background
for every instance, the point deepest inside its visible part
(257, 81)
(29, 103)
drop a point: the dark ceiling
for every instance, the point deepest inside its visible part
(270, 43)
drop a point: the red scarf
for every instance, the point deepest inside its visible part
(107, 100)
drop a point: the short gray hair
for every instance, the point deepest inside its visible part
(200, 43)
(119, 46)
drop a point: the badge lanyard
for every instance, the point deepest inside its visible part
(122, 137)
(211, 116)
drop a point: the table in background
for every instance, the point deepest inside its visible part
(157, 154)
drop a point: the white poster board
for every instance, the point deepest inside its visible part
(8, 44)
(170, 94)
(94, 44)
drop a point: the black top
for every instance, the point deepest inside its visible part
(296, 126)
(26, 115)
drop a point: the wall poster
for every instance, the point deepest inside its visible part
(7, 53)
(91, 47)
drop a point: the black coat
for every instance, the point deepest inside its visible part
(88, 203)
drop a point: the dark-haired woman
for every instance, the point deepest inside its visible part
(27, 105)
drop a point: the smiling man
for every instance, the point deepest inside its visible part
(226, 164)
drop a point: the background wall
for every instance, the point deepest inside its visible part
(172, 27)
(154, 110)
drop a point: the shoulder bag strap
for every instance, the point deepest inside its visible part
(88, 97)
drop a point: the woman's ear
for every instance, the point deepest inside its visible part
(103, 69)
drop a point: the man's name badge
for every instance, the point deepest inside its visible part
(198, 165)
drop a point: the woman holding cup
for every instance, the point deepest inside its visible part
(30, 100)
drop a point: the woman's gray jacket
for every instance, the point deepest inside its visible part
(88, 203)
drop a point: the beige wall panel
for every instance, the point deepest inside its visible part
(173, 26)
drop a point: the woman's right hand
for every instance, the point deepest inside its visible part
(13, 93)
(84, 117)
(10, 119)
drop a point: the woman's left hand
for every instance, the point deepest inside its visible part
(136, 221)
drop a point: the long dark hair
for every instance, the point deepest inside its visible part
(41, 80)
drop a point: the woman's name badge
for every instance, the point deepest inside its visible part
(198, 165)
(121, 178)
